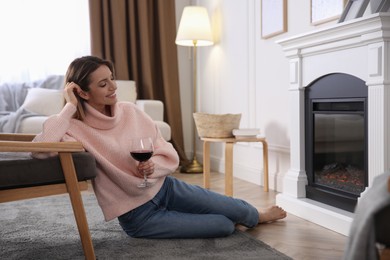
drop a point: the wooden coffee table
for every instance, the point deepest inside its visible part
(229, 142)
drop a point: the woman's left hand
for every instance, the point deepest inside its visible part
(146, 168)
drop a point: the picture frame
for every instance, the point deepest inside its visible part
(353, 9)
(322, 11)
(273, 18)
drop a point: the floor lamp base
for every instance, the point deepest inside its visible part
(193, 167)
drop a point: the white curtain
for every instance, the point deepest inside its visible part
(39, 38)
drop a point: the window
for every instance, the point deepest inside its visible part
(41, 37)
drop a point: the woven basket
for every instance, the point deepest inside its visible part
(216, 126)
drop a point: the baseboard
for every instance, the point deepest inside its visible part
(321, 214)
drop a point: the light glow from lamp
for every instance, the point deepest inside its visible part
(194, 27)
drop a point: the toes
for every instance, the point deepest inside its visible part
(271, 214)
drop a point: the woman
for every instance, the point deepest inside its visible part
(169, 208)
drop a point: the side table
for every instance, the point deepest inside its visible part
(229, 142)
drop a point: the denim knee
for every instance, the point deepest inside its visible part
(222, 227)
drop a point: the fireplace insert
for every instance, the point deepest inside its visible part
(336, 140)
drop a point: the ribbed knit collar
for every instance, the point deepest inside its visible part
(98, 120)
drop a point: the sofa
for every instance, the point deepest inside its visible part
(25, 106)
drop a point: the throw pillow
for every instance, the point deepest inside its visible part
(44, 101)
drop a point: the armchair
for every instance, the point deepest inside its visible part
(23, 177)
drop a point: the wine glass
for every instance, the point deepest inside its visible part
(142, 150)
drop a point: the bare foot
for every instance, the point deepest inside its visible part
(271, 214)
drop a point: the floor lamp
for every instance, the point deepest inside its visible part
(194, 30)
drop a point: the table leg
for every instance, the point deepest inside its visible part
(229, 169)
(206, 164)
(265, 162)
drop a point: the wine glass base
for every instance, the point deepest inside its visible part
(144, 185)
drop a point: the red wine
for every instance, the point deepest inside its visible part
(141, 155)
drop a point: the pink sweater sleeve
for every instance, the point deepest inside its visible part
(54, 129)
(165, 157)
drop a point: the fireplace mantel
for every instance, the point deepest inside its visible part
(358, 47)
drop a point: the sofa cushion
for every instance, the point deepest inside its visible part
(154, 108)
(44, 101)
(32, 124)
(126, 90)
(18, 170)
(165, 129)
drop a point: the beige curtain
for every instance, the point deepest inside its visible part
(138, 36)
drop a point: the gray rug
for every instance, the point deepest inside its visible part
(45, 228)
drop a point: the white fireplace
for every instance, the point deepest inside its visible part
(359, 47)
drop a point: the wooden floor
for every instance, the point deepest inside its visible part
(292, 236)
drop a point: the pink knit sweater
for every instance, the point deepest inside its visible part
(108, 139)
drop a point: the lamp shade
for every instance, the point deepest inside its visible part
(194, 26)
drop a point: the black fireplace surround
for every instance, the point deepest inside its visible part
(336, 157)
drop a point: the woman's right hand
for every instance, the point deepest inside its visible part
(70, 91)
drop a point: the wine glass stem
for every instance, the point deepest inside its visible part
(145, 178)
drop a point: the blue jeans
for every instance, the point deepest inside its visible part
(181, 210)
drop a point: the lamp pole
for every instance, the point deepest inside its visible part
(194, 166)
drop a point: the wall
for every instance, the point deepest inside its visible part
(243, 73)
